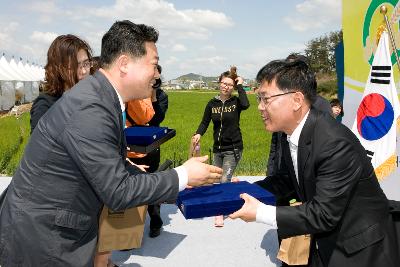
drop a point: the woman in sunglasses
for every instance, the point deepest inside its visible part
(224, 111)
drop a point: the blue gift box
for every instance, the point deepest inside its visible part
(219, 199)
(143, 136)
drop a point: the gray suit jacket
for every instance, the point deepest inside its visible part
(73, 164)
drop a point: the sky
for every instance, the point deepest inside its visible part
(204, 36)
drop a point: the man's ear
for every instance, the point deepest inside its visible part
(298, 100)
(122, 63)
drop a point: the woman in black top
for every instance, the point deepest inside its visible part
(224, 111)
(68, 62)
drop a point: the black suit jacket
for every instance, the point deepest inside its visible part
(275, 153)
(344, 208)
(73, 164)
(40, 106)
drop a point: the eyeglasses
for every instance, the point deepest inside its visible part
(87, 64)
(265, 100)
(229, 85)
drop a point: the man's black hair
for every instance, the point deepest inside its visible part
(291, 74)
(126, 37)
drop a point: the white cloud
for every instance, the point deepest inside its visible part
(45, 19)
(90, 21)
(29, 50)
(6, 35)
(11, 27)
(38, 45)
(170, 61)
(208, 18)
(47, 10)
(315, 14)
(43, 37)
(184, 24)
(3, 37)
(209, 48)
(250, 63)
(47, 7)
(178, 48)
(215, 60)
(267, 53)
(192, 31)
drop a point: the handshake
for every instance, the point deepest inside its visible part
(200, 173)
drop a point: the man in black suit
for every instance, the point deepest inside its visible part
(326, 168)
(75, 161)
(275, 154)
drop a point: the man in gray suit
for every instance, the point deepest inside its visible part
(75, 161)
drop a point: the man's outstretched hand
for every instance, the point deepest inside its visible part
(248, 212)
(200, 173)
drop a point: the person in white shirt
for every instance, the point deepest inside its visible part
(326, 168)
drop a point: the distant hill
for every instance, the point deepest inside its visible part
(196, 77)
(186, 81)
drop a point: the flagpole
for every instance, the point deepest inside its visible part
(383, 11)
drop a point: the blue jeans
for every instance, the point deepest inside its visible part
(227, 160)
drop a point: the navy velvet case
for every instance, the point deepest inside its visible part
(139, 135)
(219, 199)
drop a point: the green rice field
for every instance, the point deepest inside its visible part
(184, 114)
(14, 134)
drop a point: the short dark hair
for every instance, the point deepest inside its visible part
(96, 64)
(159, 68)
(126, 37)
(297, 56)
(336, 103)
(158, 82)
(291, 74)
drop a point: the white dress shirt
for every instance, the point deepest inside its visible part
(293, 141)
(266, 213)
(181, 171)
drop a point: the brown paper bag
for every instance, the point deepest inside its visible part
(122, 229)
(295, 250)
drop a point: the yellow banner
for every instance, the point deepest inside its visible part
(362, 25)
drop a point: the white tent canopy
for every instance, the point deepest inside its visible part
(24, 74)
(19, 82)
(6, 69)
(17, 71)
(12, 71)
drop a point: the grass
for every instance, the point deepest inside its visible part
(24, 126)
(184, 115)
(14, 132)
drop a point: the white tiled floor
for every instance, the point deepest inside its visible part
(197, 243)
